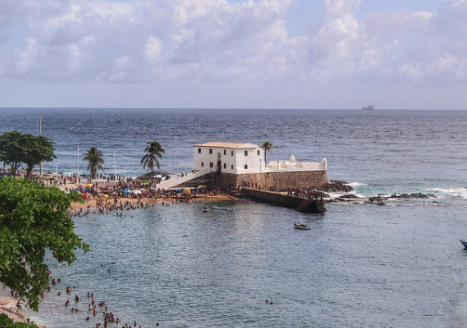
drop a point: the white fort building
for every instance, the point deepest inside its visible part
(245, 158)
(237, 165)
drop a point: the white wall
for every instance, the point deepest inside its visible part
(238, 160)
(254, 161)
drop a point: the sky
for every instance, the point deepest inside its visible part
(281, 54)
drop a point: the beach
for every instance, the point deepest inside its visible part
(8, 307)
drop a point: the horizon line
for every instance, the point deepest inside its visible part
(232, 108)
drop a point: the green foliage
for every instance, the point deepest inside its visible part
(267, 146)
(6, 322)
(95, 161)
(34, 219)
(17, 148)
(154, 151)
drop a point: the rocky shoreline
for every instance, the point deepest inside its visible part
(337, 186)
(380, 199)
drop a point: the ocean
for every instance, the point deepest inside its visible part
(360, 265)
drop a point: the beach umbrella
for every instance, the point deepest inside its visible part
(88, 185)
(81, 186)
(84, 194)
(137, 192)
(187, 191)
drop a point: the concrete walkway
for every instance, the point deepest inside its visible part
(171, 183)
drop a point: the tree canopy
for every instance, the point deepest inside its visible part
(154, 151)
(34, 219)
(17, 148)
(95, 161)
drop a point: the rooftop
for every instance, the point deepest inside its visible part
(234, 145)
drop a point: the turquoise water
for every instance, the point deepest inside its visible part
(399, 265)
(359, 266)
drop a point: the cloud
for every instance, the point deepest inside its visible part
(152, 49)
(219, 41)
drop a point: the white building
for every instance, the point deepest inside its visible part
(245, 158)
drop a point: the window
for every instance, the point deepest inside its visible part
(258, 152)
(211, 164)
(231, 166)
(245, 166)
(225, 166)
(246, 152)
(231, 153)
(199, 150)
(210, 151)
(202, 164)
(225, 152)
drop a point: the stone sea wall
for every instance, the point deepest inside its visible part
(280, 181)
(289, 201)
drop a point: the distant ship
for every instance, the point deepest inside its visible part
(371, 107)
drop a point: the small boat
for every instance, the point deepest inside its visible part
(464, 242)
(206, 209)
(371, 107)
(218, 208)
(297, 225)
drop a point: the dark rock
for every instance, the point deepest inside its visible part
(417, 195)
(376, 199)
(337, 186)
(349, 196)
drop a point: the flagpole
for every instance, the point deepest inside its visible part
(77, 174)
(40, 133)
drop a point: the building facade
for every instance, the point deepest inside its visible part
(245, 158)
(229, 157)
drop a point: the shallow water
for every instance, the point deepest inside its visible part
(359, 266)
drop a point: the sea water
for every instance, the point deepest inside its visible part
(399, 265)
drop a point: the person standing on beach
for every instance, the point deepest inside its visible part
(19, 305)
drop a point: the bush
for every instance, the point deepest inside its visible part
(6, 322)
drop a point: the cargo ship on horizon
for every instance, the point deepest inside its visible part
(371, 107)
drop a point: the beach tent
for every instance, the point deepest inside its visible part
(137, 192)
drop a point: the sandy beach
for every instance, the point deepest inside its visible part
(8, 307)
(92, 203)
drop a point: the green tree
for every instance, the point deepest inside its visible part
(11, 152)
(95, 161)
(17, 148)
(6, 322)
(154, 151)
(267, 146)
(34, 219)
(39, 149)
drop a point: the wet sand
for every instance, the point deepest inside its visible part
(92, 203)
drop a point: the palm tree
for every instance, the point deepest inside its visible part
(154, 151)
(267, 146)
(94, 159)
